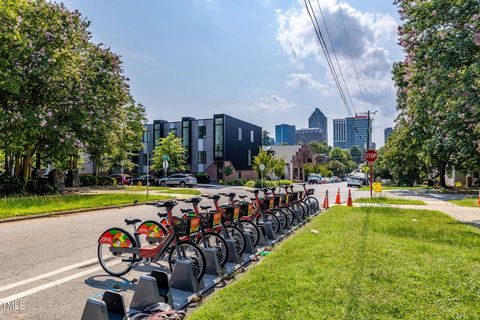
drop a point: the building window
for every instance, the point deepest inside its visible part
(202, 157)
(146, 136)
(252, 136)
(218, 137)
(239, 134)
(145, 159)
(202, 132)
(157, 129)
(249, 160)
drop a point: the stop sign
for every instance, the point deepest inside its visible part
(370, 155)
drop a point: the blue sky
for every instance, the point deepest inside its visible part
(256, 60)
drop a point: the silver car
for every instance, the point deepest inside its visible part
(179, 179)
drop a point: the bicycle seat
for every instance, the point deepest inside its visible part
(229, 194)
(254, 191)
(166, 204)
(215, 197)
(243, 197)
(162, 214)
(185, 210)
(193, 200)
(304, 184)
(205, 208)
(130, 221)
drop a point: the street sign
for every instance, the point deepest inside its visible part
(165, 157)
(377, 187)
(261, 167)
(370, 155)
(165, 164)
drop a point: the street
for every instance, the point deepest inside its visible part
(49, 266)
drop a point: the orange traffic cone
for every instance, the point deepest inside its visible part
(349, 201)
(337, 199)
(478, 202)
(325, 201)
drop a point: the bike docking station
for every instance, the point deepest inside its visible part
(110, 307)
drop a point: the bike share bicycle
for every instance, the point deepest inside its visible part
(118, 251)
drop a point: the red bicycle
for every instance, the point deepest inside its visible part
(118, 251)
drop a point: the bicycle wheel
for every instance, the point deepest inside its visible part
(251, 231)
(109, 251)
(270, 218)
(298, 210)
(191, 252)
(313, 203)
(306, 209)
(281, 217)
(239, 237)
(289, 214)
(216, 241)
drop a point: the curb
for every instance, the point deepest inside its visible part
(68, 212)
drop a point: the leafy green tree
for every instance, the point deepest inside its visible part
(437, 83)
(266, 158)
(172, 147)
(336, 167)
(227, 170)
(266, 139)
(357, 154)
(319, 147)
(279, 167)
(337, 154)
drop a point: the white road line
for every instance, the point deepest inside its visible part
(47, 285)
(49, 274)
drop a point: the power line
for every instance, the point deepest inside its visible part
(324, 47)
(335, 55)
(350, 50)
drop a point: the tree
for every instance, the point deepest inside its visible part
(172, 147)
(336, 167)
(227, 170)
(319, 147)
(266, 158)
(266, 140)
(437, 83)
(279, 167)
(357, 154)
(340, 155)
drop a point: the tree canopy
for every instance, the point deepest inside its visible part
(170, 146)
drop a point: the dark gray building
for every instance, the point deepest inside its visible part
(211, 143)
(387, 133)
(318, 120)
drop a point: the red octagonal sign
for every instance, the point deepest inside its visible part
(370, 155)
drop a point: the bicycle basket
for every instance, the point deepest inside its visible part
(210, 219)
(283, 199)
(236, 212)
(310, 192)
(271, 202)
(227, 215)
(264, 204)
(184, 227)
(300, 194)
(276, 201)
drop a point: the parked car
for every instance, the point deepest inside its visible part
(152, 181)
(335, 179)
(354, 182)
(179, 179)
(123, 179)
(314, 178)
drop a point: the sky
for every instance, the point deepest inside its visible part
(257, 60)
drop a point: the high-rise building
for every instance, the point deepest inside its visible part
(318, 120)
(284, 134)
(304, 136)
(387, 133)
(352, 131)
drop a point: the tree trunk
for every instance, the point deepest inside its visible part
(442, 168)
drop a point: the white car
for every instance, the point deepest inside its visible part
(352, 182)
(179, 179)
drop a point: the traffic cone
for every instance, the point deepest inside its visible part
(349, 201)
(478, 202)
(325, 201)
(337, 199)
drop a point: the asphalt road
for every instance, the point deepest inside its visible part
(48, 266)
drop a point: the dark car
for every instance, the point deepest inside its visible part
(152, 181)
(179, 179)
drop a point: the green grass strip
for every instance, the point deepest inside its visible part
(467, 202)
(164, 190)
(22, 206)
(365, 263)
(386, 200)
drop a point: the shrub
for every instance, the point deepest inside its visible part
(92, 181)
(11, 186)
(14, 186)
(40, 186)
(202, 177)
(284, 182)
(234, 182)
(250, 184)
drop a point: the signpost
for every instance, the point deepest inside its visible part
(165, 159)
(261, 167)
(370, 156)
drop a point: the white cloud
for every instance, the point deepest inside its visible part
(369, 34)
(272, 103)
(306, 80)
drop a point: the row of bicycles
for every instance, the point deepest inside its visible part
(183, 234)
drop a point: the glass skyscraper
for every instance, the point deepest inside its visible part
(352, 131)
(284, 134)
(318, 120)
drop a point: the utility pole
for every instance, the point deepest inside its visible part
(368, 130)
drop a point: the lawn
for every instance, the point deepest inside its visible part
(397, 188)
(466, 202)
(21, 206)
(386, 200)
(164, 190)
(365, 263)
